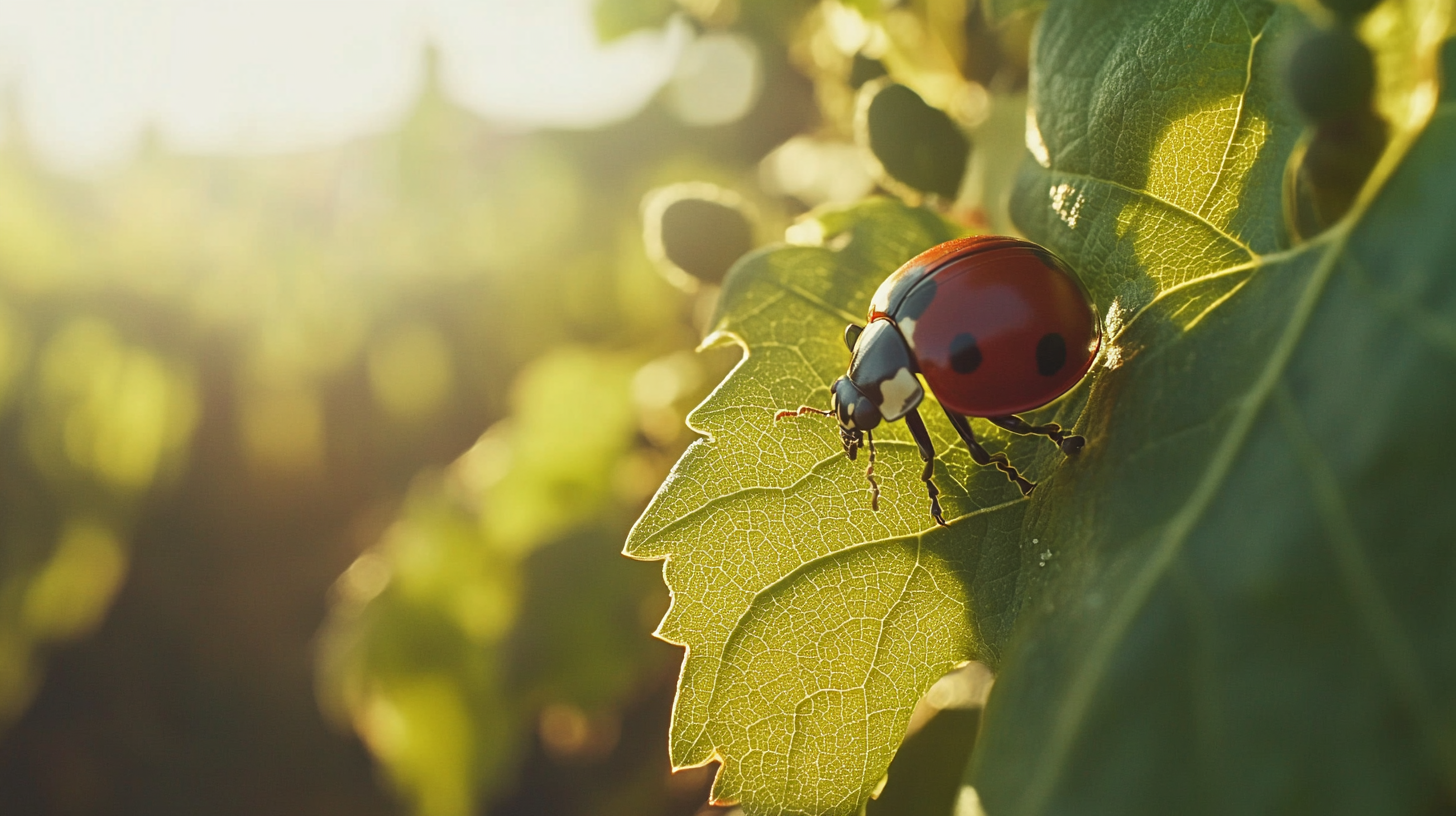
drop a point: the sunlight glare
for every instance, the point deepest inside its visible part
(217, 75)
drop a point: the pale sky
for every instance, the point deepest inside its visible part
(218, 75)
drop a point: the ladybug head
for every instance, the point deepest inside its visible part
(879, 386)
(854, 411)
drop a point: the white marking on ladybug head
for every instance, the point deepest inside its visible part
(900, 394)
(907, 328)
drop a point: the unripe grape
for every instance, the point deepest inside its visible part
(917, 145)
(1332, 75)
(696, 231)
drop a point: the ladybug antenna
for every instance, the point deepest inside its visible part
(870, 474)
(804, 409)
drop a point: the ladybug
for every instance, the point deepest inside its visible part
(995, 325)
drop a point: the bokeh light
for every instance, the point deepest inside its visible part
(94, 75)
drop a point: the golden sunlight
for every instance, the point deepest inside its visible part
(95, 75)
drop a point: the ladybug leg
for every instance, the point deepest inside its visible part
(927, 455)
(870, 474)
(1069, 443)
(803, 410)
(982, 458)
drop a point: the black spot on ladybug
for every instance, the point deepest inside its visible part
(1051, 354)
(916, 301)
(965, 355)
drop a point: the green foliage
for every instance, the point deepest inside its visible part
(1252, 539)
(102, 421)
(413, 655)
(106, 302)
(1252, 563)
(418, 653)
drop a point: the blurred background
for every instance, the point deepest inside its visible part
(341, 344)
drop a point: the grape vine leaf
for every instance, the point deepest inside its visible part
(1252, 599)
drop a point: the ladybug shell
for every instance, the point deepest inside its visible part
(997, 325)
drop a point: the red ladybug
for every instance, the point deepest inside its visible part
(995, 325)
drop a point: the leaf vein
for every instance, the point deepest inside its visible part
(812, 299)
(1083, 688)
(1086, 682)
(1156, 199)
(788, 577)
(1233, 138)
(723, 498)
(1382, 625)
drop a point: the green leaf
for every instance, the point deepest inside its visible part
(1159, 136)
(814, 623)
(1250, 601)
(999, 11)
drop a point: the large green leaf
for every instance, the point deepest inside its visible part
(1252, 598)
